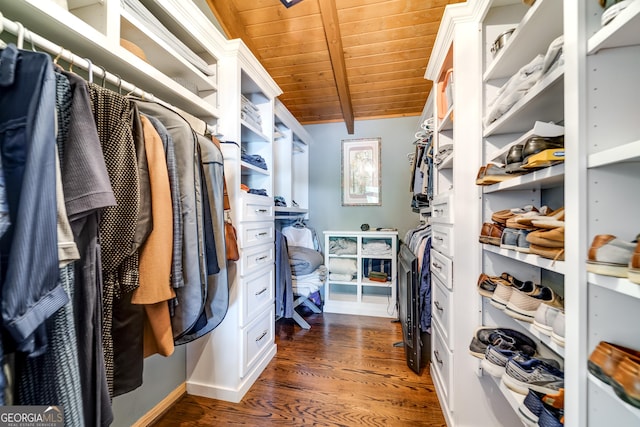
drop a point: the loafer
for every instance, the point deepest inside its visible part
(515, 239)
(556, 254)
(491, 233)
(513, 159)
(610, 256)
(536, 144)
(488, 284)
(502, 216)
(494, 174)
(605, 358)
(553, 238)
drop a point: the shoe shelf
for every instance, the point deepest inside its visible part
(527, 40)
(447, 163)
(622, 31)
(514, 399)
(531, 259)
(625, 414)
(616, 284)
(550, 177)
(500, 318)
(543, 102)
(629, 152)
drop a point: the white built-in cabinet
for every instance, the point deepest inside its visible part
(225, 363)
(595, 95)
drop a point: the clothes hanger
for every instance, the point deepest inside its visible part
(89, 70)
(2, 43)
(20, 41)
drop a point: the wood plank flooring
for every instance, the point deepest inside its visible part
(344, 371)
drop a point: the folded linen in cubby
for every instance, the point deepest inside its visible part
(343, 266)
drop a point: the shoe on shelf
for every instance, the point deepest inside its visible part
(487, 284)
(531, 408)
(612, 9)
(524, 305)
(502, 216)
(491, 233)
(550, 417)
(480, 175)
(504, 288)
(634, 265)
(544, 318)
(503, 338)
(515, 239)
(513, 159)
(553, 238)
(541, 375)
(523, 221)
(610, 256)
(546, 217)
(606, 357)
(626, 381)
(557, 331)
(495, 360)
(494, 174)
(536, 144)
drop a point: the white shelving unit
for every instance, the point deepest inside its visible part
(224, 364)
(595, 95)
(360, 295)
(291, 162)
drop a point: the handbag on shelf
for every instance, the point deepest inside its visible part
(230, 235)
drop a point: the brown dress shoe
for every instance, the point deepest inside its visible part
(606, 357)
(491, 233)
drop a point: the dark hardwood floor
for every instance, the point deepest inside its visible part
(344, 371)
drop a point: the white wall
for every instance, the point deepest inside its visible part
(325, 206)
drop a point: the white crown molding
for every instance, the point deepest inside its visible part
(470, 11)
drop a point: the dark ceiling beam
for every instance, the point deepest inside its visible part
(334, 42)
(228, 17)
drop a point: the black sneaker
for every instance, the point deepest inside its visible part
(503, 338)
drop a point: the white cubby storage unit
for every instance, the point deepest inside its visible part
(360, 295)
(595, 96)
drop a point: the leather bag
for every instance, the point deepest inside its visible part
(230, 235)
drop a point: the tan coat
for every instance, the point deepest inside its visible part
(155, 256)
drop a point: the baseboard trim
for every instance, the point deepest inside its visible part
(163, 406)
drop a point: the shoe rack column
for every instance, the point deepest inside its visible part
(602, 104)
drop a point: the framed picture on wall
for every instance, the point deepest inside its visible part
(361, 178)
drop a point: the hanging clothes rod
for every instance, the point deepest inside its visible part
(23, 34)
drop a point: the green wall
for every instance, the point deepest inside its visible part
(325, 206)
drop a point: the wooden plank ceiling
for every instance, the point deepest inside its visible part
(340, 60)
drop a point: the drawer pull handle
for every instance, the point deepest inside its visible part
(261, 210)
(264, 334)
(438, 211)
(437, 356)
(437, 304)
(436, 265)
(261, 258)
(264, 233)
(261, 291)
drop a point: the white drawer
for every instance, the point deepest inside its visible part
(257, 293)
(256, 257)
(255, 233)
(442, 361)
(441, 267)
(442, 238)
(442, 208)
(255, 208)
(441, 310)
(256, 338)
